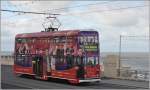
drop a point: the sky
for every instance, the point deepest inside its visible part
(110, 18)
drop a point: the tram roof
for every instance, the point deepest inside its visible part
(48, 34)
(54, 33)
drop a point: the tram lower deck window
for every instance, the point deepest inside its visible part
(92, 61)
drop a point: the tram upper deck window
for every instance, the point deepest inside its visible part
(19, 40)
(23, 40)
(22, 45)
(70, 39)
(61, 39)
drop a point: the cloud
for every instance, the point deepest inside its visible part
(119, 19)
(123, 20)
(41, 5)
(23, 22)
(110, 24)
(27, 22)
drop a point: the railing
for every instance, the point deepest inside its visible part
(134, 74)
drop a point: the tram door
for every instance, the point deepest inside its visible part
(38, 66)
(80, 71)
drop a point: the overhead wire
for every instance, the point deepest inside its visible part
(122, 8)
(5, 10)
(105, 10)
(100, 11)
(48, 13)
(77, 6)
(17, 7)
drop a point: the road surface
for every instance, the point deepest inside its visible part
(9, 81)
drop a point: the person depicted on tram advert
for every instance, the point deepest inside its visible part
(23, 47)
(48, 60)
(60, 58)
(53, 57)
(69, 56)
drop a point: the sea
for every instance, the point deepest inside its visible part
(136, 64)
(134, 60)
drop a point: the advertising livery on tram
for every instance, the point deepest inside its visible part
(72, 55)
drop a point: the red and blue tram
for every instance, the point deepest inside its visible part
(72, 55)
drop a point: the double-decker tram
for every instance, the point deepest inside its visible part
(72, 55)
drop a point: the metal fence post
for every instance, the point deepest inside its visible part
(119, 61)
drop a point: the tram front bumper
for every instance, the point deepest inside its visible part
(90, 80)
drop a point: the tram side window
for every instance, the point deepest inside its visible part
(19, 41)
(22, 46)
(61, 49)
(92, 61)
(78, 60)
(61, 39)
(70, 39)
(22, 51)
(62, 62)
(59, 53)
(23, 60)
(96, 60)
(19, 60)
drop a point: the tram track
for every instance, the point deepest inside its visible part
(11, 81)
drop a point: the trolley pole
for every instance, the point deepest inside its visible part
(119, 61)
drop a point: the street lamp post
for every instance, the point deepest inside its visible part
(119, 61)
